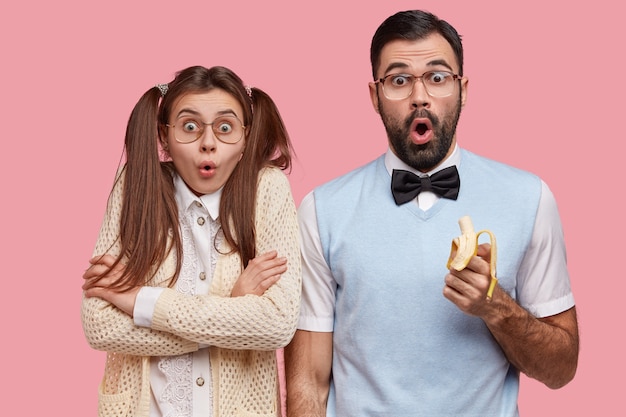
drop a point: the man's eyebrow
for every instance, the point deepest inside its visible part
(438, 62)
(395, 65)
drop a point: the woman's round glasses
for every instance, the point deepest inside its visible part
(436, 83)
(227, 129)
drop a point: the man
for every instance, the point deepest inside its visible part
(385, 328)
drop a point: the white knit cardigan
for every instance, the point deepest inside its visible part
(243, 332)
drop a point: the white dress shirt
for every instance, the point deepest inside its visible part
(181, 385)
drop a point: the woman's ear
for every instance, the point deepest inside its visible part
(163, 138)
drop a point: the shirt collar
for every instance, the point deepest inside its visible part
(393, 162)
(185, 198)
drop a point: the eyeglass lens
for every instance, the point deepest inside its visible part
(227, 129)
(436, 83)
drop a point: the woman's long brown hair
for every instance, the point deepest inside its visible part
(149, 227)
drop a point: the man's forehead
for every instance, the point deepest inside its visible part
(431, 51)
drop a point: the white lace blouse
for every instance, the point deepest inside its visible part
(181, 385)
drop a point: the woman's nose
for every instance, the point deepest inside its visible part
(208, 141)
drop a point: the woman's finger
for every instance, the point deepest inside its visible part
(106, 260)
(266, 284)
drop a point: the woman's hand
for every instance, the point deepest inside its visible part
(261, 273)
(100, 288)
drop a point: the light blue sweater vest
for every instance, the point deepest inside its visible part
(400, 348)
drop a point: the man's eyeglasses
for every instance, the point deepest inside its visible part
(436, 83)
(227, 129)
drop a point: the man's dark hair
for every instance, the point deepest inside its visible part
(413, 25)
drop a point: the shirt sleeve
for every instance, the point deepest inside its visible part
(318, 285)
(144, 305)
(544, 286)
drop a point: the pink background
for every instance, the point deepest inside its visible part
(546, 94)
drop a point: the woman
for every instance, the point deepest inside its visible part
(195, 280)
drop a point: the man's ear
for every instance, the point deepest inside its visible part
(464, 88)
(374, 95)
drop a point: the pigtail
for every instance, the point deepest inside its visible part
(148, 208)
(267, 145)
(268, 135)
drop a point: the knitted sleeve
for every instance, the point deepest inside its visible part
(105, 326)
(264, 322)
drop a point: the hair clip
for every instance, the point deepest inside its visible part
(162, 88)
(249, 92)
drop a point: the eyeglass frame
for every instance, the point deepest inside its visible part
(203, 129)
(381, 81)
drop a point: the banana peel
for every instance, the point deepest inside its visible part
(465, 247)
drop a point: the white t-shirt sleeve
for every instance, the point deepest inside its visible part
(543, 279)
(317, 310)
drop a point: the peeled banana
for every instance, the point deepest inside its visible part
(466, 247)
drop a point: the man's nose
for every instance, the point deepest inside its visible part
(420, 97)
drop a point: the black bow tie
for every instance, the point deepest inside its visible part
(405, 185)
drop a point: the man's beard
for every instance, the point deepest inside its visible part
(427, 156)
